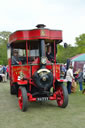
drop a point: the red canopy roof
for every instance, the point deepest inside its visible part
(36, 34)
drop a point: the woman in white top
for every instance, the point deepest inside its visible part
(69, 77)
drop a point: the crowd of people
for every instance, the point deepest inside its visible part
(73, 79)
(3, 73)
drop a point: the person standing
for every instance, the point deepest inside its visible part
(69, 78)
(2, 75)
(80, 79)
(5, 73)
(7, 70)
(63, 71)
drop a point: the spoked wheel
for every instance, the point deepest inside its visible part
(22, 98)
(62, 96)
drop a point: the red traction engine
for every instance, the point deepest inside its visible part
(35, 74)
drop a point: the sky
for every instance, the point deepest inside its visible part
(65, 15)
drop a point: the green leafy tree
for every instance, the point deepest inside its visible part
(3, 46)
(4, 35)
(80, 42)
(66, 53)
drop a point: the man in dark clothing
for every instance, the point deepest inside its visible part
(50, 57)
(80, 79)
(15, 58)
(4, 69)
(49, 54)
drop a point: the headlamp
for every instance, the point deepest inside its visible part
(43, 60)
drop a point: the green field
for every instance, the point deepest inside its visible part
(45, 115)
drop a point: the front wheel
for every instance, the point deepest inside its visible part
(22, 98)
(61, 96)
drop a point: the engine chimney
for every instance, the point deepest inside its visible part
(40, 26)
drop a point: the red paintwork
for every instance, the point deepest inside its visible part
(9, 63)
(60, 96)
(27, 52)
(16, 72)
(30, 98)
(22, 82)
(57, 94)
(57, 71)
(36, 34)
(20, 99)
(62, 80)
(36, 61)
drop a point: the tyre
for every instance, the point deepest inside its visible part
(62, 96)
(0, 78)
(22, 98)
(12, 89)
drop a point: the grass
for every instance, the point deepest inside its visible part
(45, 115)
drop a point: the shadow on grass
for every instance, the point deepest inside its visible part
(41, 104)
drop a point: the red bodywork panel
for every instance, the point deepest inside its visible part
(28, 71)
(16, 72)
(36, 34)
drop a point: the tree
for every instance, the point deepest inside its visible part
(70, 51)
(80, 42)
(3, 46)
(4, 35)
(66, 53)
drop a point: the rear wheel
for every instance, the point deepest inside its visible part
(12, 89)
(62, 96)
(22, 98)
(0, 78)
